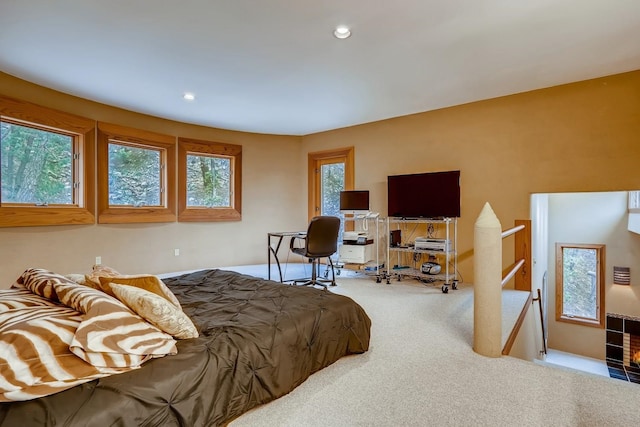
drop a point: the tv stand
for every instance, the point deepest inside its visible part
(424, 241)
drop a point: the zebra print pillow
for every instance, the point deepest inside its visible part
(104, 338)
(12, 299)
(40, 282)
(35, 359)
(48, 346)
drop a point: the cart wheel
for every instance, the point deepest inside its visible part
(338, 272)
(378, 280)
(454, 285)
(445, 289)
(388, 280)
(399, 277)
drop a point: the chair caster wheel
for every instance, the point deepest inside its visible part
(445, 289)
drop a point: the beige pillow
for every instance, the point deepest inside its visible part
(93, 279)
(146, 281)
(156, 310)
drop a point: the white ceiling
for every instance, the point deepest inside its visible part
(273, 66)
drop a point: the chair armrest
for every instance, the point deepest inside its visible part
(297, 237)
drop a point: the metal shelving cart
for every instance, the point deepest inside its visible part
(367, 258)
(417, 238)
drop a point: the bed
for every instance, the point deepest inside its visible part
(257, 341)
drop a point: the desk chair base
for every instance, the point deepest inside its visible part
(314, 280)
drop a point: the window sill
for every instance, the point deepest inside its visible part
(43, 216)
(581, 321)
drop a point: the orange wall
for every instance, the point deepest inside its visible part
(271, 201)
(577, 137)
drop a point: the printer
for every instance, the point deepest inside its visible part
(356, 238)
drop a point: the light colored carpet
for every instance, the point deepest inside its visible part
(421, 370)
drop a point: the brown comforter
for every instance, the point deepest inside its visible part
(258, 341)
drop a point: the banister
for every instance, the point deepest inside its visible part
(513, 271)
(511, 231)
(487, 302)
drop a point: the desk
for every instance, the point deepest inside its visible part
(271, 250)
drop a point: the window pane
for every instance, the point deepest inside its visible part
(580, 287)
(332, 176)
(634, 199)
(208, 181)
(134, 176)
(36, 165)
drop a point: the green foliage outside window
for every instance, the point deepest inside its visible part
(208, 181)
(580, 297)
(134, 176)
(36, 165)
(332, 184)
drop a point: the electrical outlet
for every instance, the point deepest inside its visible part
(98, 260)
(176, 252)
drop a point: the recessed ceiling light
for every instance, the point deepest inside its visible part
(189, 96)
(342, 32)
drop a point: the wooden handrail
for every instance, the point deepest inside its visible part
(516, 328)
(513, 271)
(511, 231)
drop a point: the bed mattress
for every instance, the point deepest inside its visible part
(258, 340)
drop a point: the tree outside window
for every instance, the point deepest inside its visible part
(46, 166)
(580, 284)
(332, 176)
(36, 165)
(135, 175)
(210, 181)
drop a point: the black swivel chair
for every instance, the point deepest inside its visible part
(321, 241)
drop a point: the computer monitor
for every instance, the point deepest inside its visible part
(354, 201)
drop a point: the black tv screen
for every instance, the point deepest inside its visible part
(354, 200)
(424, 195)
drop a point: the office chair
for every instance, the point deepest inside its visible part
(321, 241)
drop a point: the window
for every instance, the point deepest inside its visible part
(46, 166)
(329, 173)
(136, 175)
(210, 177)
(634, 201)
(580, 284)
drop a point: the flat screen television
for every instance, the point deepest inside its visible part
(424, 195)
(354, 201)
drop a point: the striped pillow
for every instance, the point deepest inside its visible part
(35, 359)
(48, 346)
(105, 336)
(14, 299)
(40, 282)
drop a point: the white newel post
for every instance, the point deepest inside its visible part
(487, 300)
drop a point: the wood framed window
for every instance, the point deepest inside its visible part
(580, 284)
(46, 166)
(136, 175)
(210, 181)
(324, 189)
